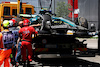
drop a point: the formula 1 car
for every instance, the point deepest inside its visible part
(57, 35)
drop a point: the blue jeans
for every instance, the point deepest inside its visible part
(18, 52)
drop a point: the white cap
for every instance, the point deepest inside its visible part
(11, 23)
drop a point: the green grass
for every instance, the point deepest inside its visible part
(88, 38)
(93, 37)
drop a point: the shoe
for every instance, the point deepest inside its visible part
(28, 63)
(17, 64)
(24, 65)
(13, 62)
(20, 63)
(30, 60)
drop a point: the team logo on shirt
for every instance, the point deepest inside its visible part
(8, 39)
(26, 32)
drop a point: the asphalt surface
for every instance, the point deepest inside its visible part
(91, 43)
(58, 61)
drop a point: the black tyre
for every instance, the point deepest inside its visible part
(83, 22)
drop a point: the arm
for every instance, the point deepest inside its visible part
(18, 39)
(34, 31)
(35, 25)
(17, 42)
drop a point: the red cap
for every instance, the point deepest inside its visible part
(26, 22)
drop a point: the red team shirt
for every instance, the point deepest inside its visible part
(27, 33)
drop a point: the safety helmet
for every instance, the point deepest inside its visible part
(92, 25)
(5, 23)
(12, 22)
(26, 22)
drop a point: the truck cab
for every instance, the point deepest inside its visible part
(8, 10)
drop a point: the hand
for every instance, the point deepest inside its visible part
(38, 24)
(17, 46)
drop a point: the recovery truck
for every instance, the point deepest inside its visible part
(57, 35)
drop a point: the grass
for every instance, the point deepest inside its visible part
(87, 38)
(93, 38)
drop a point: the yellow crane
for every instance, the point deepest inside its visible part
(0, 17)
(18, 7)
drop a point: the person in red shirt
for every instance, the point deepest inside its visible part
(26, 34)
